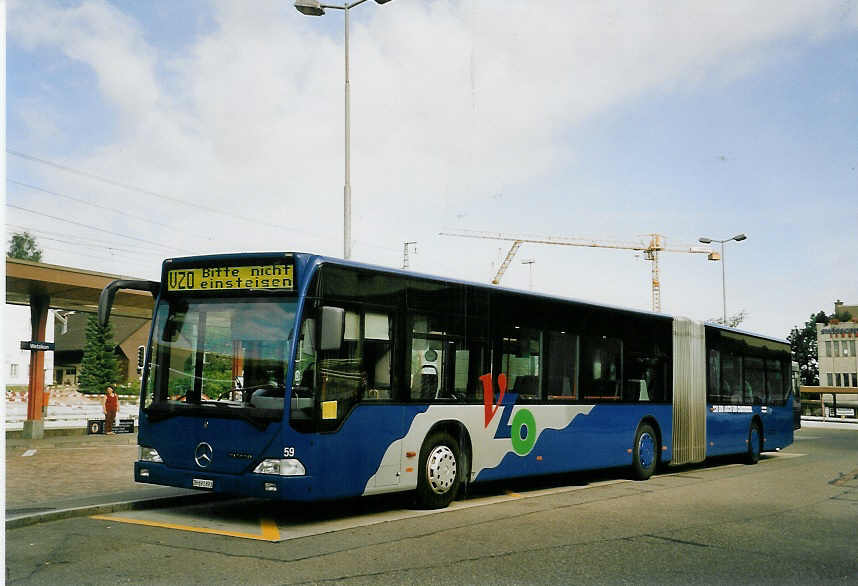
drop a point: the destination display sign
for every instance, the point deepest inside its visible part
(33, 345)
(271, 276)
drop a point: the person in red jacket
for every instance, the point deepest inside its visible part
(110, 407)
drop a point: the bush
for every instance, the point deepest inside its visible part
(131, 389)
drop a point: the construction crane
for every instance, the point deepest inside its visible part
(651, 250)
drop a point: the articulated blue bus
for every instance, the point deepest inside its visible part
(300, 377)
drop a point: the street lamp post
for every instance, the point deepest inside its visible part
(737, 238)
(530, 262)
(316, 8)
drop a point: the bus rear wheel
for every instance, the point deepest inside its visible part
(755, 444)
(439, 475)
(645, 452)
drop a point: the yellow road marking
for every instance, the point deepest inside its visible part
(512, 494)
(269, 529)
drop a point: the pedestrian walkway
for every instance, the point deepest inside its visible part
(62, 476)
(830, 423)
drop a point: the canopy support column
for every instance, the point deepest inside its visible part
(34, 426)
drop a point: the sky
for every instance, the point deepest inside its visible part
(138, 131)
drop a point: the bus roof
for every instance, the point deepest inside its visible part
(313, 259)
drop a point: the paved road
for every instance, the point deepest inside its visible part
(792, 519)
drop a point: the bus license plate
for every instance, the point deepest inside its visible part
(200, 483)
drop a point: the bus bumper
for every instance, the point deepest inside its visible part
(297, 488)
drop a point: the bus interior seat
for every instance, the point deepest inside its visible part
(527, 386)
(428, 382)
(635, 390)
(381, 378)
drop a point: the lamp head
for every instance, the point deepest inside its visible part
(382, 1)
(704, 240)
(739, 237)
(309, 7)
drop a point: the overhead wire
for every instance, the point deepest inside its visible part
(171, 198)
(51, 236)
(127, 263)
(174, 199)
(96, 228)
(103, 207)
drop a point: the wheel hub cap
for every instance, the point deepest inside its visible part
(646, 450)
(441, 469)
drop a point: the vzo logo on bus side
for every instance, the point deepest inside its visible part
(522, 430)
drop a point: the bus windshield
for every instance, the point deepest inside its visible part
(227, 355)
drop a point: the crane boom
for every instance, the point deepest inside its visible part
(651, 250)
(505, 264)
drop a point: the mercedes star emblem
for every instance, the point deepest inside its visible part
(203, 455)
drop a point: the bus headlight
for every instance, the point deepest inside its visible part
(288, 467)
(148, 454)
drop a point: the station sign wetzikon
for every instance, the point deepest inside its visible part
(33, 345)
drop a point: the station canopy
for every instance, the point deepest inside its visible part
(70, 289)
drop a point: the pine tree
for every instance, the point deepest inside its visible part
(99, 366)
(804, 348)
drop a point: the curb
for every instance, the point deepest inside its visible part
(114, 507)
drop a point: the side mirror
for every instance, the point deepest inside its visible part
(333, 327)
(105, 300)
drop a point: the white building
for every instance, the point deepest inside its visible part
(16, 362)
(838, 357)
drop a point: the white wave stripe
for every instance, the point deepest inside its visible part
(488, 451)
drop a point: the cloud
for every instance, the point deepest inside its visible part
(452, 103)
(99, 35)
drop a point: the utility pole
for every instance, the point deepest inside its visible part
(405, 248)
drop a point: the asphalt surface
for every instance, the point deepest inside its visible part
(792, 519)
(62, 476)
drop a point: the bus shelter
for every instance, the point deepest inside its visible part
(42, 287)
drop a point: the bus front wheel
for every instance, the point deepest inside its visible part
(755, 444)
(645, 452)
(438, 478)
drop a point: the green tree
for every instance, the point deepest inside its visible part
(802, 342)
(733, 321)
(23, 246)
(99, 367)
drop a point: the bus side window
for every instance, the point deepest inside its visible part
(561, 366)
(520, 361)
(439, 361)
(602, 363)
(713, 389)
(754, 377)
(338, 375)
(775, 389)
(377, 355)
(731, 379)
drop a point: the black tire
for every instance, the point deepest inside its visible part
(439, 476)
(755, 444)
(645, 452)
